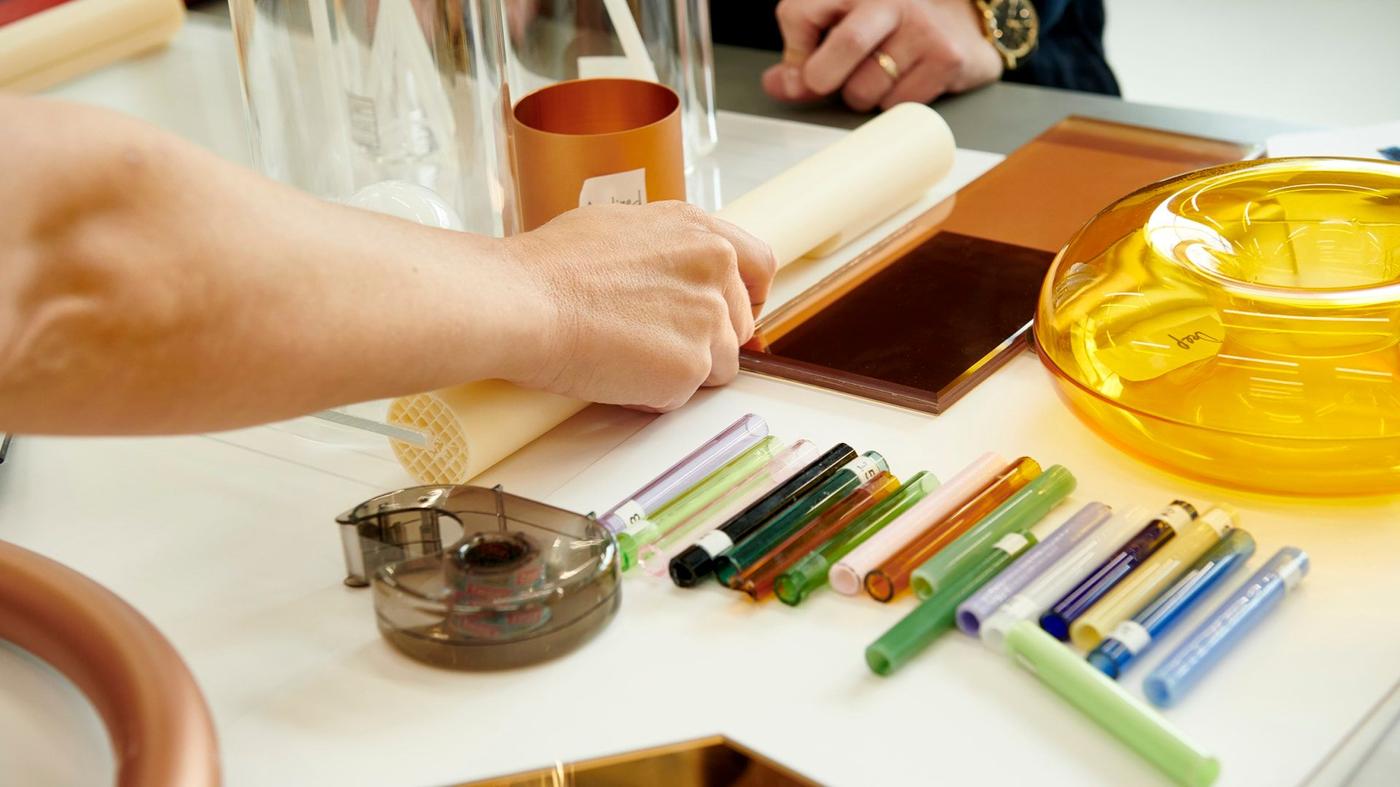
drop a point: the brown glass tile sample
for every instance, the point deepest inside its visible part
(928, 313)
(709, 762)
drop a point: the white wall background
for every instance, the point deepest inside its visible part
(1322, 62)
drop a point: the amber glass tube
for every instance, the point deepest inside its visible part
(758, 580)
(892, 577)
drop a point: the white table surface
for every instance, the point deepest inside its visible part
(227, 543)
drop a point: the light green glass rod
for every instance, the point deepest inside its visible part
(711, 487)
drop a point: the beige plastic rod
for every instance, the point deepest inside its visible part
(811, 209)
(73, 38)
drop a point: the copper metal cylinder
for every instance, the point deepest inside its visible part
(572, 131)
(161, 731)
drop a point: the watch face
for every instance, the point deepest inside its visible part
(1013, 26)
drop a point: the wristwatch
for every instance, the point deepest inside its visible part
(1012, 26)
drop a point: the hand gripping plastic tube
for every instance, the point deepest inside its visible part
(1051, 549)
(1018, 514)
(797, 515)
(698, 560)
(1151, 578)
(1132, 638)
(811, 572)
(1108, 574)
(1061, 576)
(935, 614)
(642, 531)
(840, 192)
(656, 556)
(1231, 621)
(891, 577)
(757, 580)
(1111, 707)
(693, 469)
(849, 571)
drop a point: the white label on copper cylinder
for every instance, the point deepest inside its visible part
(619, 188)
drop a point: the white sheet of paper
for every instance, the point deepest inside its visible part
(1360, 142)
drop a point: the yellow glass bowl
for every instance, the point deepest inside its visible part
(1240, 325)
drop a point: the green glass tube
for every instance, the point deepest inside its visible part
(1018, 514)
(809, 573)
(938, 613)
(1111, 706)
(711, 487)
(799, 513)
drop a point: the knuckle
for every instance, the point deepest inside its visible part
(769, 262)
(696, 369)
(688, 212)
(718, 253)
(848, 40)
(788, 11)
(719, 310)
(858, 95)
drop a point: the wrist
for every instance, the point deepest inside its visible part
(541, 331)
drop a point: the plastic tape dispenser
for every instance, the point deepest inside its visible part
(473, 578)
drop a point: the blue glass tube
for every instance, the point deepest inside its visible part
(1135, 636)
(1139, 548)
(1232, 620)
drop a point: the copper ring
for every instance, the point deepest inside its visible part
(161, 730)
(887, 64)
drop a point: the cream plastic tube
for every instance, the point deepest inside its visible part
(73, 38)
(842, 191)
(812, 208)
(1151, 578)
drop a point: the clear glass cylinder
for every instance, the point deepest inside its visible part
(395, 105)
(665, 41)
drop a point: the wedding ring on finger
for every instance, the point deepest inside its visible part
(887, 64)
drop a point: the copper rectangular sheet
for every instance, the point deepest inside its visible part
(708, 762)
(932, 310)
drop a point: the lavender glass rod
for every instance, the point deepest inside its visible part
(689, 471)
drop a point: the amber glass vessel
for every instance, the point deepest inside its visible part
(1239, 325)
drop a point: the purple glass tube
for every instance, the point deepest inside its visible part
(1139, 548)
(984, 602)
(718, 450)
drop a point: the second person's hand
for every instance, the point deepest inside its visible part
(930, 47)
(648, 302)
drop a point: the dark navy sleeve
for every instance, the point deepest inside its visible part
(1070, 54)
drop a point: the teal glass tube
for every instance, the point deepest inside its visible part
(1018, 514)
(810, 573)
(938, 613)
(644, 531)
(791, 519)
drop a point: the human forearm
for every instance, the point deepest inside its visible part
(147, 286)
(159, 289)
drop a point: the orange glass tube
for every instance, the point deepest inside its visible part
(892, 577)
(758, 580)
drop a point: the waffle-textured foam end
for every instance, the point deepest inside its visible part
(446, 460)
